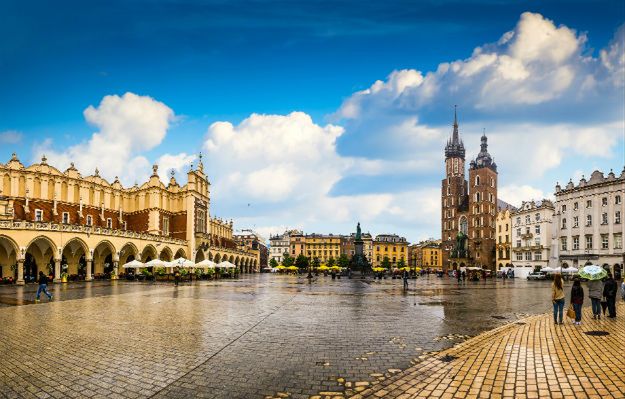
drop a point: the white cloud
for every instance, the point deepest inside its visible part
(274, 157)
(128, 125)
(515, 194)
(177, 162)
(10, 137)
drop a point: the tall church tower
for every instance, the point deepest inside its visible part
(454, 199)
(482, 208)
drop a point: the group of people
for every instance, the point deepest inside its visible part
(598, 292)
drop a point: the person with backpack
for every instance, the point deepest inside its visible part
(609, 292)
(43, 286)
(577, 300)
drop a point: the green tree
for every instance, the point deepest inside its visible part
(301, 262)
(343, 261)
(331, 262)
(316, 262)
(401, 263)
(287, 260)
(273, 263)
(386, 263)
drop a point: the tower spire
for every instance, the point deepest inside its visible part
(455, 138)
(455, 147)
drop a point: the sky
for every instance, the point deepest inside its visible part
(316, 115)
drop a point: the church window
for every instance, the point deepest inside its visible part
(477, 180)
(455, 165)
(492, 182)
(448, 190)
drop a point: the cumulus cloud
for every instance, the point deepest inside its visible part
(178, 163)
(516, 194)
(274, 157)
(10, 137)
(127, 126)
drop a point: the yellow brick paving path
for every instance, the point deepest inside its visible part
(537, 359)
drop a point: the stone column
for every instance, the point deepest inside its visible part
(57, 270)
(116, 269)
(88, 277)
(20, 272)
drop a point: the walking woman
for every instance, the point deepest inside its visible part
(577, 299)
(557, 297)
(595, 292)
(609, 292)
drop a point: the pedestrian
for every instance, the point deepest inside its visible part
(557, 298)
(458, 275)
(609, 292)
(623, 290)
(43, 286)
(464, 275)
(577, 299)
(595, 293)
(405, 276)
(176, 275)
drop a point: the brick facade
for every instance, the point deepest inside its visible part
(468, 206)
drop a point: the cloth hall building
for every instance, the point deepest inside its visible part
(469, 206)
(60, 222)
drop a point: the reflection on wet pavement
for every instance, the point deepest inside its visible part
(256, 336)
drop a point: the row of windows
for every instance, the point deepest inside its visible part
(506, 227)
(527, 230)
(604, 202)
(604, 219)
(528, 219)
(605, 244)
(66, 220)
(528, 242)
(528, 256)
(386, 249)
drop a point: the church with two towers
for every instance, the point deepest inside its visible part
(469, 206)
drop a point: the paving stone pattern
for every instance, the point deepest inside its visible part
(537, 359)
(260, 336)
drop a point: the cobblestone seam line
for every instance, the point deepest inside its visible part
(533, 360)
(225, 346)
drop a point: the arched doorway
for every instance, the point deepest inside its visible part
(39, 256)
(74, 260)
(103, 260)
(8, 257)
(180, 254)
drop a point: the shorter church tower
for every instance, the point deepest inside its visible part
(482, 212)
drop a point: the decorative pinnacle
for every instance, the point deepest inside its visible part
(154, 170)
(44, 159)
(172, 173)
(97, 172)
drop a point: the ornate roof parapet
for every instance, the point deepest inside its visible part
(14, 162)
(596, 178)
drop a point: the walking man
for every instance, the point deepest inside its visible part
(43, 286)
(405, 276)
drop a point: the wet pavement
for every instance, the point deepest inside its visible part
(261, 335)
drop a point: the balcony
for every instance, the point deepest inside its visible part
(527, 236)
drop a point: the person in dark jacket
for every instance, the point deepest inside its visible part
(405, 276)
(577, 299)
(609, 292)
(43, 286)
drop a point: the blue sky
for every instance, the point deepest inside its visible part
(377, 154)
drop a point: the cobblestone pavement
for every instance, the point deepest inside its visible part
(534, 358)
(259, 336)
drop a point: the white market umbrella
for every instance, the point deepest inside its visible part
(569, 269)
(157, 263)
(181, 262)
(206, 263)
(549, 270)
(226, 265)
(134, 264)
